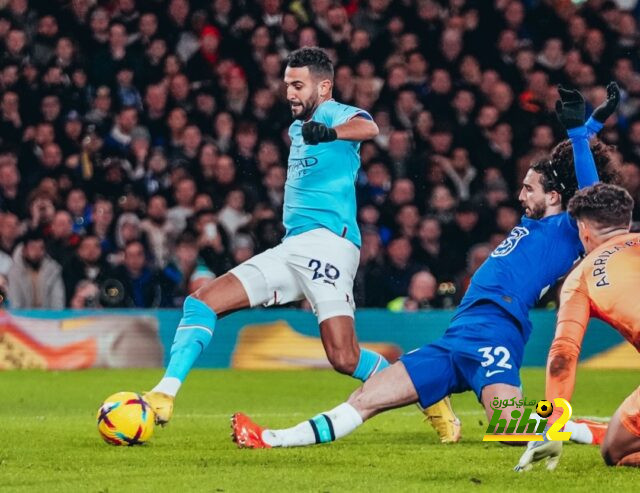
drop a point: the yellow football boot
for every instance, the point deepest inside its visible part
(162, 405)
(441, 416)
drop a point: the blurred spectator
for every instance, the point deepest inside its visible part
(399, 269)
(476, 257)
(86, 295)
(186, 268)
(62, 240)
(421, 295)
(159, 231)
(136, 285)
(185, 194)
(233, 216)
(78, 207)
(41, 210)
(11, 193)
(35, 279)
(10, 232)
(102, 224)
(212, 241)
(273, 183)
(367, 287)
(242, 248)
(87, 264)
(429, 251)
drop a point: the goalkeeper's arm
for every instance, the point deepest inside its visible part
(586, 171)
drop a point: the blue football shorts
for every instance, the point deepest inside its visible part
(483, 346)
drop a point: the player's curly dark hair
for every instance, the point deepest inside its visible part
(558, 173)
(605, 204)
(316, 59)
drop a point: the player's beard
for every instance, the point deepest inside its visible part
(308, 107)
(536, 211)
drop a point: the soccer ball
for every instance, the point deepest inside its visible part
(125, 419)
(544, 408)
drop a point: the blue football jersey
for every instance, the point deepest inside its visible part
(524, 266)
(320, 187)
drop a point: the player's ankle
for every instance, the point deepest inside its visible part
(169, 386)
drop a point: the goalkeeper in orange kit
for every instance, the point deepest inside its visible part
(603, 285)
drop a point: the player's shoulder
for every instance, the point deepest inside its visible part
(615, 244)
(334, 109)
(558, 228)
(333, 105)
(562, 219)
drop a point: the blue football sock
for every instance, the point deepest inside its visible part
(370, 363)
(193, 335)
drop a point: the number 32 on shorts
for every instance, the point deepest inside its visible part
(489, 356)
(330, 271)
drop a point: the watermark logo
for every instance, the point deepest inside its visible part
(521, 427)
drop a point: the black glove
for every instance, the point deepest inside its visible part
(313, 133)
(570, 108)
(606, 109)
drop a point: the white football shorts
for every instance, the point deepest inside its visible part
(318, 265)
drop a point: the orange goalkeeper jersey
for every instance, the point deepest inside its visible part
(606, 285)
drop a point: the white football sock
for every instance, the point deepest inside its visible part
(343, 420)
(168, 385)
(580, 432)
(298, 436)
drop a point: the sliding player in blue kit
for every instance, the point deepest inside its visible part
(319, 255)
(483, 347)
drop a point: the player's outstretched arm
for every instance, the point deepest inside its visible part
(573, 317)
(358, 129)
(570, 109)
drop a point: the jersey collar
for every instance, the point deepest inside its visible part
(314, 111)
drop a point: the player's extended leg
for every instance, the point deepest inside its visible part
(621, 445)
(200, 312)
(339, 340)
(325, 265)
(388, 389)
(261, 280)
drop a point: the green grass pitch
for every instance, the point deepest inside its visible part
(49, 442)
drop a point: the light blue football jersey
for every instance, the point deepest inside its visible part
(320, 188)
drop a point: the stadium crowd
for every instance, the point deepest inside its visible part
(144, 142)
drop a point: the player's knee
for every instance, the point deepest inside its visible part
(343, 361)
(200, 294)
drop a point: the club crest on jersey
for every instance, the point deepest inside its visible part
(510, 242)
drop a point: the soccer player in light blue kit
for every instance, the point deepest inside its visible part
(319, 255)
(483, 347)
